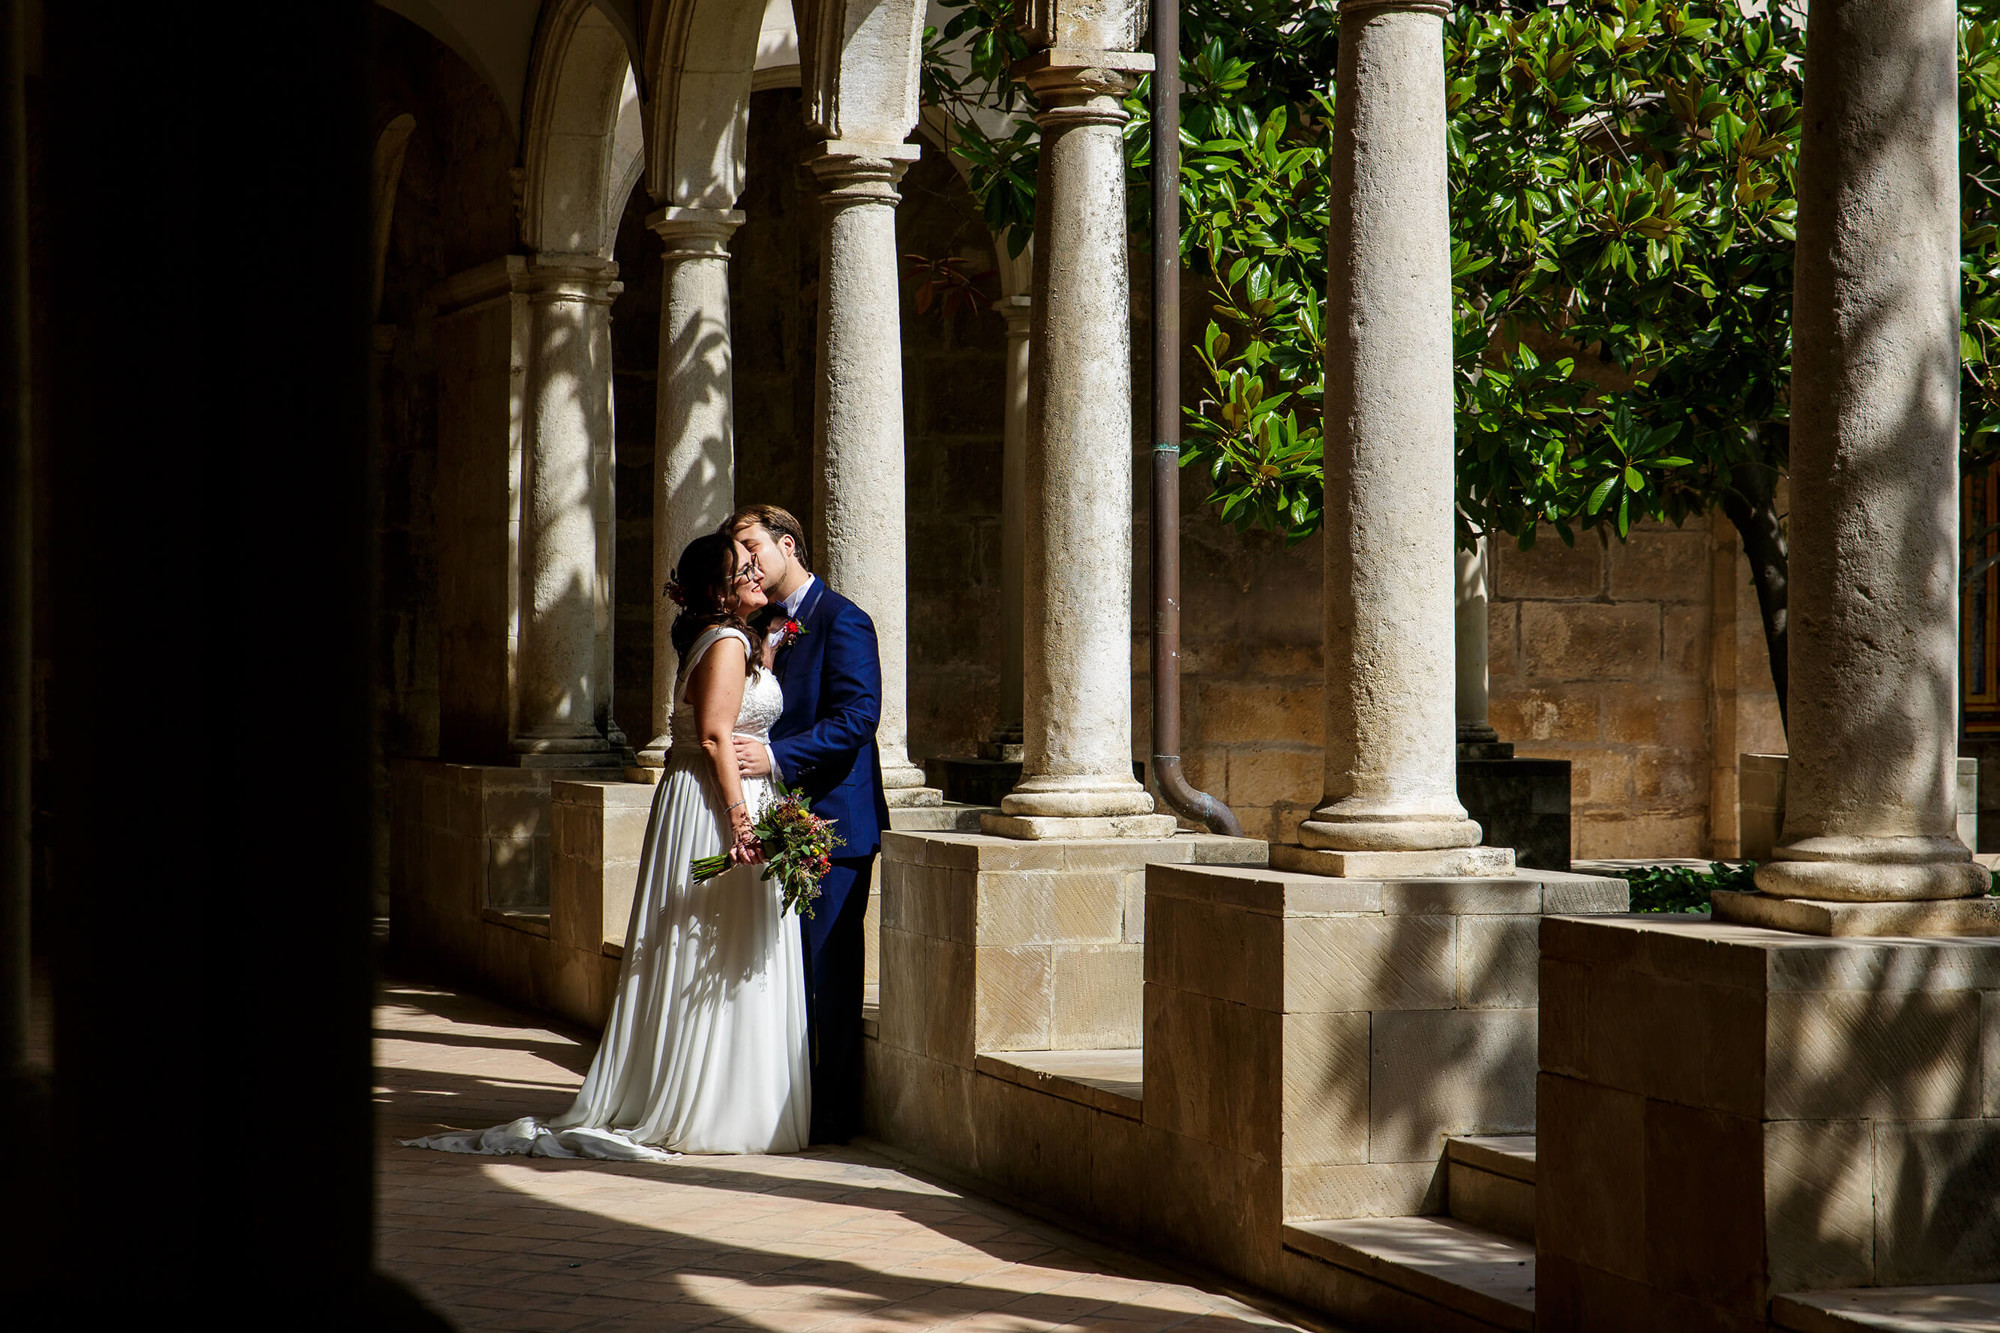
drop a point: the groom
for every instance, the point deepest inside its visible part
(824, 746)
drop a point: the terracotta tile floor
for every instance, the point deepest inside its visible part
(838, 1240)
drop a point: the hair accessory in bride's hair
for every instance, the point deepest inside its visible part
(674, 593)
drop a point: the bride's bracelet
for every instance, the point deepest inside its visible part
(734, 804)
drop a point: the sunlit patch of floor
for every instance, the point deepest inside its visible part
(839, 1240)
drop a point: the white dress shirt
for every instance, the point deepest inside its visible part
(774, 636)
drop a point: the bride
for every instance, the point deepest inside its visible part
(705, 1050)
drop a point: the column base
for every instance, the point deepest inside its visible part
(911, 798)
(1036, 828)
(1485, 749)
(1811, 916)
(1873, 870)
(1444, 863)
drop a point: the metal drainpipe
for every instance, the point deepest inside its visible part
(1173, 784)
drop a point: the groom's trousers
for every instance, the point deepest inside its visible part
(834, 969)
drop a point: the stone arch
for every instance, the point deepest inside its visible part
(858, 63)
(584, 146)
(386, 171)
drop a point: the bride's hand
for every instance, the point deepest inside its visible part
(747, 850)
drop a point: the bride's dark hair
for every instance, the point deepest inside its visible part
(703, 586)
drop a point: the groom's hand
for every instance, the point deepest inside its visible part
(753, 759)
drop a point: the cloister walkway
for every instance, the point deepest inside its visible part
(836, 1240)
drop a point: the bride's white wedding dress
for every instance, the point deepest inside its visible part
(705, 1050)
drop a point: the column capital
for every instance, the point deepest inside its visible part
(851, 171)
(1081, 87)
(1018, 311)
(695, 233)
(553, 276)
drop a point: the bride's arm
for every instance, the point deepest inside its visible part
(715, 691)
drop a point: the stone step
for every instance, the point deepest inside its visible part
(1490, 1182)
(1109, 1080)
(1477, 1274)
(1940, 1309)
(949, 817)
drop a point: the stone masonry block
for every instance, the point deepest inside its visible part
(1989, 1045)
(1098, 998)
(1819, 1204)
(1437, 1072)
(1703, 1187)
(517, 873)
(1376, 1189)
(1839, 1054)
(948, 1035)
(1012, 1008)
(1584, 895)
(620, 887)
(1534, 714)
(624, 837)
(1179, 1055)
(1660, 567)
(1265, 775)
(1937, 1201)
(1325, 1104)
(1591, 642)
(1014, 907)
(1243, 711)
(1497, 961)
(1348, 963)
(1548, 570)
(1088, 907)
(1562, 1032)
(1590, 1161)
(906, 986)
(1695, 1044)
(1132, 907)
(1461, 897)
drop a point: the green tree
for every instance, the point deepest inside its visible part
(1622, 182)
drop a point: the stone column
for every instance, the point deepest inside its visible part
(694, 438)
(1391, 803)
(1476, 737)
(568, 412)
(859, 493)
(1869, 812)
(1076, 778)
(1018, 311)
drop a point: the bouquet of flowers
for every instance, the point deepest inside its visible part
(798, 850)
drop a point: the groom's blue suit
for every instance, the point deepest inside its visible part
(824, 744)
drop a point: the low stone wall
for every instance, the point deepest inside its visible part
(515, 880)
(1731, 1113)
(1308, 1043)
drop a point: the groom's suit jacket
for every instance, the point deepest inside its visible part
(824, 741)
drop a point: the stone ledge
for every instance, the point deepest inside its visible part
(1039, 828)
(1938, 1309)
(1446, 862)
(528, 923)
(1474, 1272)
(1509, 1155)
(1945, 917)
(1109, 1081)
(1279, 892)
(948, 817)
(961, 850)
(1717, 953)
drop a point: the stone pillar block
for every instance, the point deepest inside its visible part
(993, 944)
(1728, 1114)
(1760, 803)
(1339, 1030)
(599, 833)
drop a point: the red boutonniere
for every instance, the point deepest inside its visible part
(790, 633)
